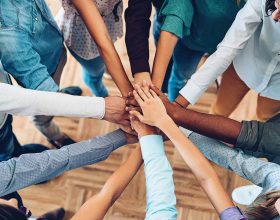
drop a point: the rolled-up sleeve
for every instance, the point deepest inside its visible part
(176, 16)
(262, 137)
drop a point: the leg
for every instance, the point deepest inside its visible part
(156, 32)
(231, 92)
(93, 71)
(185, 62)
(45, 124)
(266, 108)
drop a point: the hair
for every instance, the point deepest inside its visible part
(270, 7)
(264, 207)
(10, 213)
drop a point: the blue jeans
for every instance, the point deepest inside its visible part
(184, 65)
(93, 71)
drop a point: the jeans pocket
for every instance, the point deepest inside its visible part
(9, 14)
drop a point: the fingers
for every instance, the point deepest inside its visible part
(141, 92)
(137, 115)
(138, 99)
(130, 108)
(156, 90)
(131, 101)
(153, 94)
(147, 92)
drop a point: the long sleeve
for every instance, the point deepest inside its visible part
(263, 137)
(244, 26)
(20, 101)
(259, 172)
(137, 18)
(161, 199)
(29, 169)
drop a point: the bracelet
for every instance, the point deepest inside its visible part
(179, 104)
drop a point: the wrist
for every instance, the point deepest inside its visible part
(139, 77)
(165, 122)
(181, 101)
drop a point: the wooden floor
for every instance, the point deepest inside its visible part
(73, 188)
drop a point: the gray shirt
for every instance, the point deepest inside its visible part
(261, 137)
(29, 169)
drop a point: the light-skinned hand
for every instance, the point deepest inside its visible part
(115, 110)
(154, 112)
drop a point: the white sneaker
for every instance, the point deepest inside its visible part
(107, 76)
(246, 195)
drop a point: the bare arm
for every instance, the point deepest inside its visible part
(97, 207)
(218, 127)
(165, 47)
(199, 165)
(99, 33)
(214, 126)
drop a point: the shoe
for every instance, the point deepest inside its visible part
(107, 76)
(72, 90)
(57, 214)
(246, 195)
(64, 141)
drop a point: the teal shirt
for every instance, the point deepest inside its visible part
(160, 190)
(201, 24)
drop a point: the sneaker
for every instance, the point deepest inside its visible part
(72, 90)
(57, 214)
(64, 141)
(246, 195)
(107, 76)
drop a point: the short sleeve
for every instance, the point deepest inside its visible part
(176, 17)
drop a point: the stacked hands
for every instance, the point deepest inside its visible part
(141, 113)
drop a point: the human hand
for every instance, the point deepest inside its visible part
(170, 107)
(277, 206)
(115, 110)
(142, 129)
(130, 101)
(154, 112)
(181, 101)
(139, 78)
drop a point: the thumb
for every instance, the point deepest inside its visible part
(137, 115)
(156, 90)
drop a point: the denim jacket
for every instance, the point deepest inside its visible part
(30, 43)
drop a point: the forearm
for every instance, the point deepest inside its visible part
(29, 169)
(117, 183)
(137, 19)
(165, 47)
(217, 127)
(111, 190)
(161, 199)
(20, 101)
(259, 172)
(199, 165)
(99, 33)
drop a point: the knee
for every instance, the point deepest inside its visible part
(263, 115)
(220, 110)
